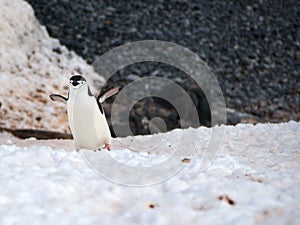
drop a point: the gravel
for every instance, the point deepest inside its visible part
(253, 47)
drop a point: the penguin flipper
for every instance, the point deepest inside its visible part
(59, 98)
(108, 94)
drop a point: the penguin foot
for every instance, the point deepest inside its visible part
(107, 146)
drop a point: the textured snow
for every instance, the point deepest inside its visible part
(32, 66)
(254, 179)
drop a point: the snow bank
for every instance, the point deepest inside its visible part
(255, 179)
(32, 66)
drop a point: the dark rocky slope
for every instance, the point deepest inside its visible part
(253, 47)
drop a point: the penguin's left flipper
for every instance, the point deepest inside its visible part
(59, 98)
(108, 94)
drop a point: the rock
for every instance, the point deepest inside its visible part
(132, 77)
(248, 44)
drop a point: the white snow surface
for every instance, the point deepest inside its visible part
(255, 179)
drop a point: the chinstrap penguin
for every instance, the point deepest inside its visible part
(86, 116)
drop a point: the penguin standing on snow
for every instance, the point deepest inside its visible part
(86, 115)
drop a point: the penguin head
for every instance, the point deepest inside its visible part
(77, 81)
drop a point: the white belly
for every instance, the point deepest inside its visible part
(88, 125)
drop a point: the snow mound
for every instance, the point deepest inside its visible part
(32, 66)
(253, 180)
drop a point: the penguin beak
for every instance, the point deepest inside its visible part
(76, 84)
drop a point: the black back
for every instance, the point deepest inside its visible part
(99, 105)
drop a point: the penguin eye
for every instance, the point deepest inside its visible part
(71, 81)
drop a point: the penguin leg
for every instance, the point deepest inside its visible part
(107, 146)
(76, 146)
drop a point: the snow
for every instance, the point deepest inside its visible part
(254, 179)
(32, 66)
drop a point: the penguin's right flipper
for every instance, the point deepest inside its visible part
(108, 94)
(59, 98)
